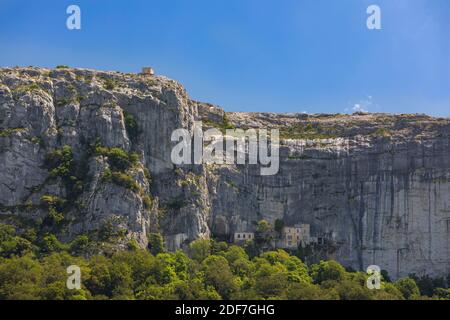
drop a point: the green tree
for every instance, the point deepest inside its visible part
(99, 280)
(111, 278)
(164, 269)
(227, 273)
(271, 281)
(118, 159)
(10, 244)
(263, 226)
(242, 267)
(131, 126)
(142, 265)
(218, 247)
(427, 284)
(50, 244)
(408, 288)
(200, 249)
(388, 292)
(183, 265)
(305, 291)
(79, 245)
(234, 253)
(218, 274)
(352, 290)
(155, 243)
(251, 248)
(442, 293)
(327, 270)
(55, 276)
(279, 225)
(121, 281)
(20, 278)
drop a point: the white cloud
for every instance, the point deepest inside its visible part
(359, 108)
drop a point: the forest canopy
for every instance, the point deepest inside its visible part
(30, 270)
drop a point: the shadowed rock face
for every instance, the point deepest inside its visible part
(375, 187)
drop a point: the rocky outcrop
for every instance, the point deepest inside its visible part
(374, 187)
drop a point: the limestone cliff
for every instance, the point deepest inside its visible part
(93, 149)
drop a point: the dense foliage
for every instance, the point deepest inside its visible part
(207, 270)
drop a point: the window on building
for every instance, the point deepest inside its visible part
(239, 236)
(448, 225)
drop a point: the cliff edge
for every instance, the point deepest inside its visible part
(88, 152)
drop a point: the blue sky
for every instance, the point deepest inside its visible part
(252, 55)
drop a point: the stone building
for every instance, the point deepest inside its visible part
(293, 236)
(243, 236)
(305, 234)
(148, 71)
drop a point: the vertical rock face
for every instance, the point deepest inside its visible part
(374, 187)
(42, 111)
(380, 195)
(380, 204)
